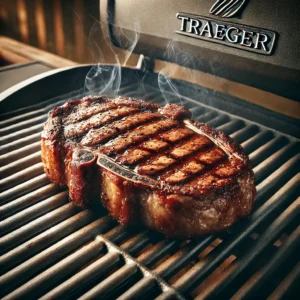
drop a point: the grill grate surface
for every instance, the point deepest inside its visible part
(51, 249)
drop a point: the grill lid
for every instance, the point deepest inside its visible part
(251, 42)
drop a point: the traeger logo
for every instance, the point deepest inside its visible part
(230, 34)
(227, 8)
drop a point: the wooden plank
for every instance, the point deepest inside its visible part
(20, 50)
(12, 58)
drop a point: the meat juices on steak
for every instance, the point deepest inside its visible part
(174, 175)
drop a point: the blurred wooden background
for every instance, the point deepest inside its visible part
(67, 28)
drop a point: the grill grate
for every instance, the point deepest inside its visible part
(51, 248)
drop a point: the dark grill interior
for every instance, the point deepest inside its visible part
(52, 249)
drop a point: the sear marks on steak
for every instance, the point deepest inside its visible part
(136, 135)
(97, 120)
(162, 170)
(96, 136)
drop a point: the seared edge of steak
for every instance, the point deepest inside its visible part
(53, 146)
(174, 214)
(83, 177)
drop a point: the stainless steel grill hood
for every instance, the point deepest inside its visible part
(160, 24)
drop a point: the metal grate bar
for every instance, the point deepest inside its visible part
(118, 234)
(23, 188)
(34, 227)
(269, 236)
(41, 241)
(272, 163)
(215, 119)
(267, 149)
(12, 156)
(288, 285)
(83, 279)
(17, 276)
(245, 133)
(171, 266)
(289, 248)
(137, 243)
(166, 296)
(197, 111)
(231, 127)
(109, 284)
(95, 268)
(45, 105)
(29, 214)
(270, 185)
(207, 116)
(29, 199)
(158, 252)
(21, 134)
(40, 113)
(185, 282)
(20, 125)
(140, 288)
(256, 141)
(20, 164)
(200, 114)
(144, 287)
(53, 275)
(108, 287)
(33, 112)
(218, 121)
(175, 263)
(16, 145)
(29, 111)
(20, 177)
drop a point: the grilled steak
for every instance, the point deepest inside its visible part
(149, 165)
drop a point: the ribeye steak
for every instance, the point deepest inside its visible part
(149, 165)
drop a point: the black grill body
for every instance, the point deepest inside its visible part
(50, 248)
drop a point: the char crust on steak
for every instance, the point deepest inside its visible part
(149, 165)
